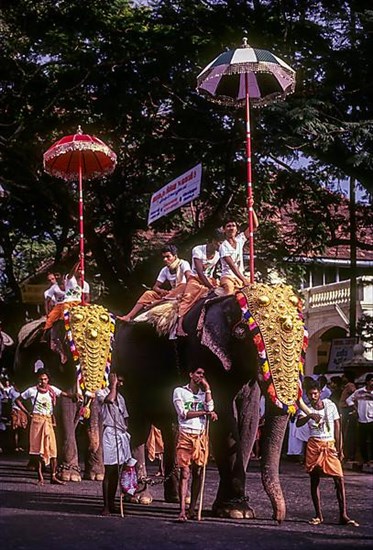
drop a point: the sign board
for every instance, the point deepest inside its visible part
(341, 350)
(176, 193)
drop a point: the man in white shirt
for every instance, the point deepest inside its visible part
(42, 437)
(231, 256)
(204, 260)
(175, 274)
(324, 452)
(362, 400)
(55, 293)
(193, 404)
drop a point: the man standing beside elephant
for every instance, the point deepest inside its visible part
(231, 256)
(42, 437)
(193, 404)
(324, 452)
(115, 439)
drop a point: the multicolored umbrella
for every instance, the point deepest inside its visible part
(79, 156)
(242, 76)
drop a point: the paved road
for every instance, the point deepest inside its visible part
(54, 517)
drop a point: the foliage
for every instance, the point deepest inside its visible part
(127, 73)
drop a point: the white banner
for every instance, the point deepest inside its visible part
(341, 350)
(176, 193)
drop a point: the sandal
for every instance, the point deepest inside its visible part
(315, 521)
(352, 523)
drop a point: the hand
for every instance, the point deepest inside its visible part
(204, 385)
(315, 417)
(78, 397)
(250, 202)
(213, 416)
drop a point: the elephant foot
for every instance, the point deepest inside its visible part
(234, 509)
(145, 500)
(69, 473)
(93, 476)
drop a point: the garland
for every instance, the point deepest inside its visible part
(265, 371)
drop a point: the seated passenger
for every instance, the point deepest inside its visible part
(204, 260)
(231, 257)
(175, 273)
(72, 297)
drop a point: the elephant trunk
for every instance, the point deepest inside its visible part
(274, 431)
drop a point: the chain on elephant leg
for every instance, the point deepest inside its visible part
(234, 507)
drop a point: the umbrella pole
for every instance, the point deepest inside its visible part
(249, 179)
(81, 225)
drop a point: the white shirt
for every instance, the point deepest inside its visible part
(73, 290)
(184, 401)
(226, 249)
(324, 429)
(208, 264)
(41, 402)
(165, 274)
(55, 294)
(364, 400)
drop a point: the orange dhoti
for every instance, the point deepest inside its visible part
(57, 313)
(194, 291)
(151, 296)
(322, 454)
(192, 448)
(230, 284)
(154, 443)
(19, 419)
(42, 437)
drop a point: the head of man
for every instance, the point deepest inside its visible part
(313, 393)
(169, 254)
(369, 382)
(216, 239)
(348, 376)
(230, 228)
(43, 378)
(196, 376)
(52, 278)
(323, 381)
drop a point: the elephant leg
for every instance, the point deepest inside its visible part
(70, 470)
(230, 499)
(273, 436)
(170, 473)
(94, 464)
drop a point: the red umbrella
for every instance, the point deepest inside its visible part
(79, 156)
(238, 78)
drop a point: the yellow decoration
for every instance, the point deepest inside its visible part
(91, 332)
(274, 309)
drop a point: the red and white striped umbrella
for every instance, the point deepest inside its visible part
(75, 157)
(242, 76)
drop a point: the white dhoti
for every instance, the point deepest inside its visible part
(116, 446)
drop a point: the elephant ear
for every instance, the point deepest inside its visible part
(216, 319)
(273, 315)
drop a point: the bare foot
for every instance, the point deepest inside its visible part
(41, 482)
(56, 481)
(124, 318)
(191, 515)
(105, 512)
(182, 518)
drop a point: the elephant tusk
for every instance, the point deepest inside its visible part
(303, 406)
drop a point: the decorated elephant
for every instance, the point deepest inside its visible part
(249, 343)
(77, 357)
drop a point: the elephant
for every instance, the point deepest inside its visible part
(62, 367)
(223, 338)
